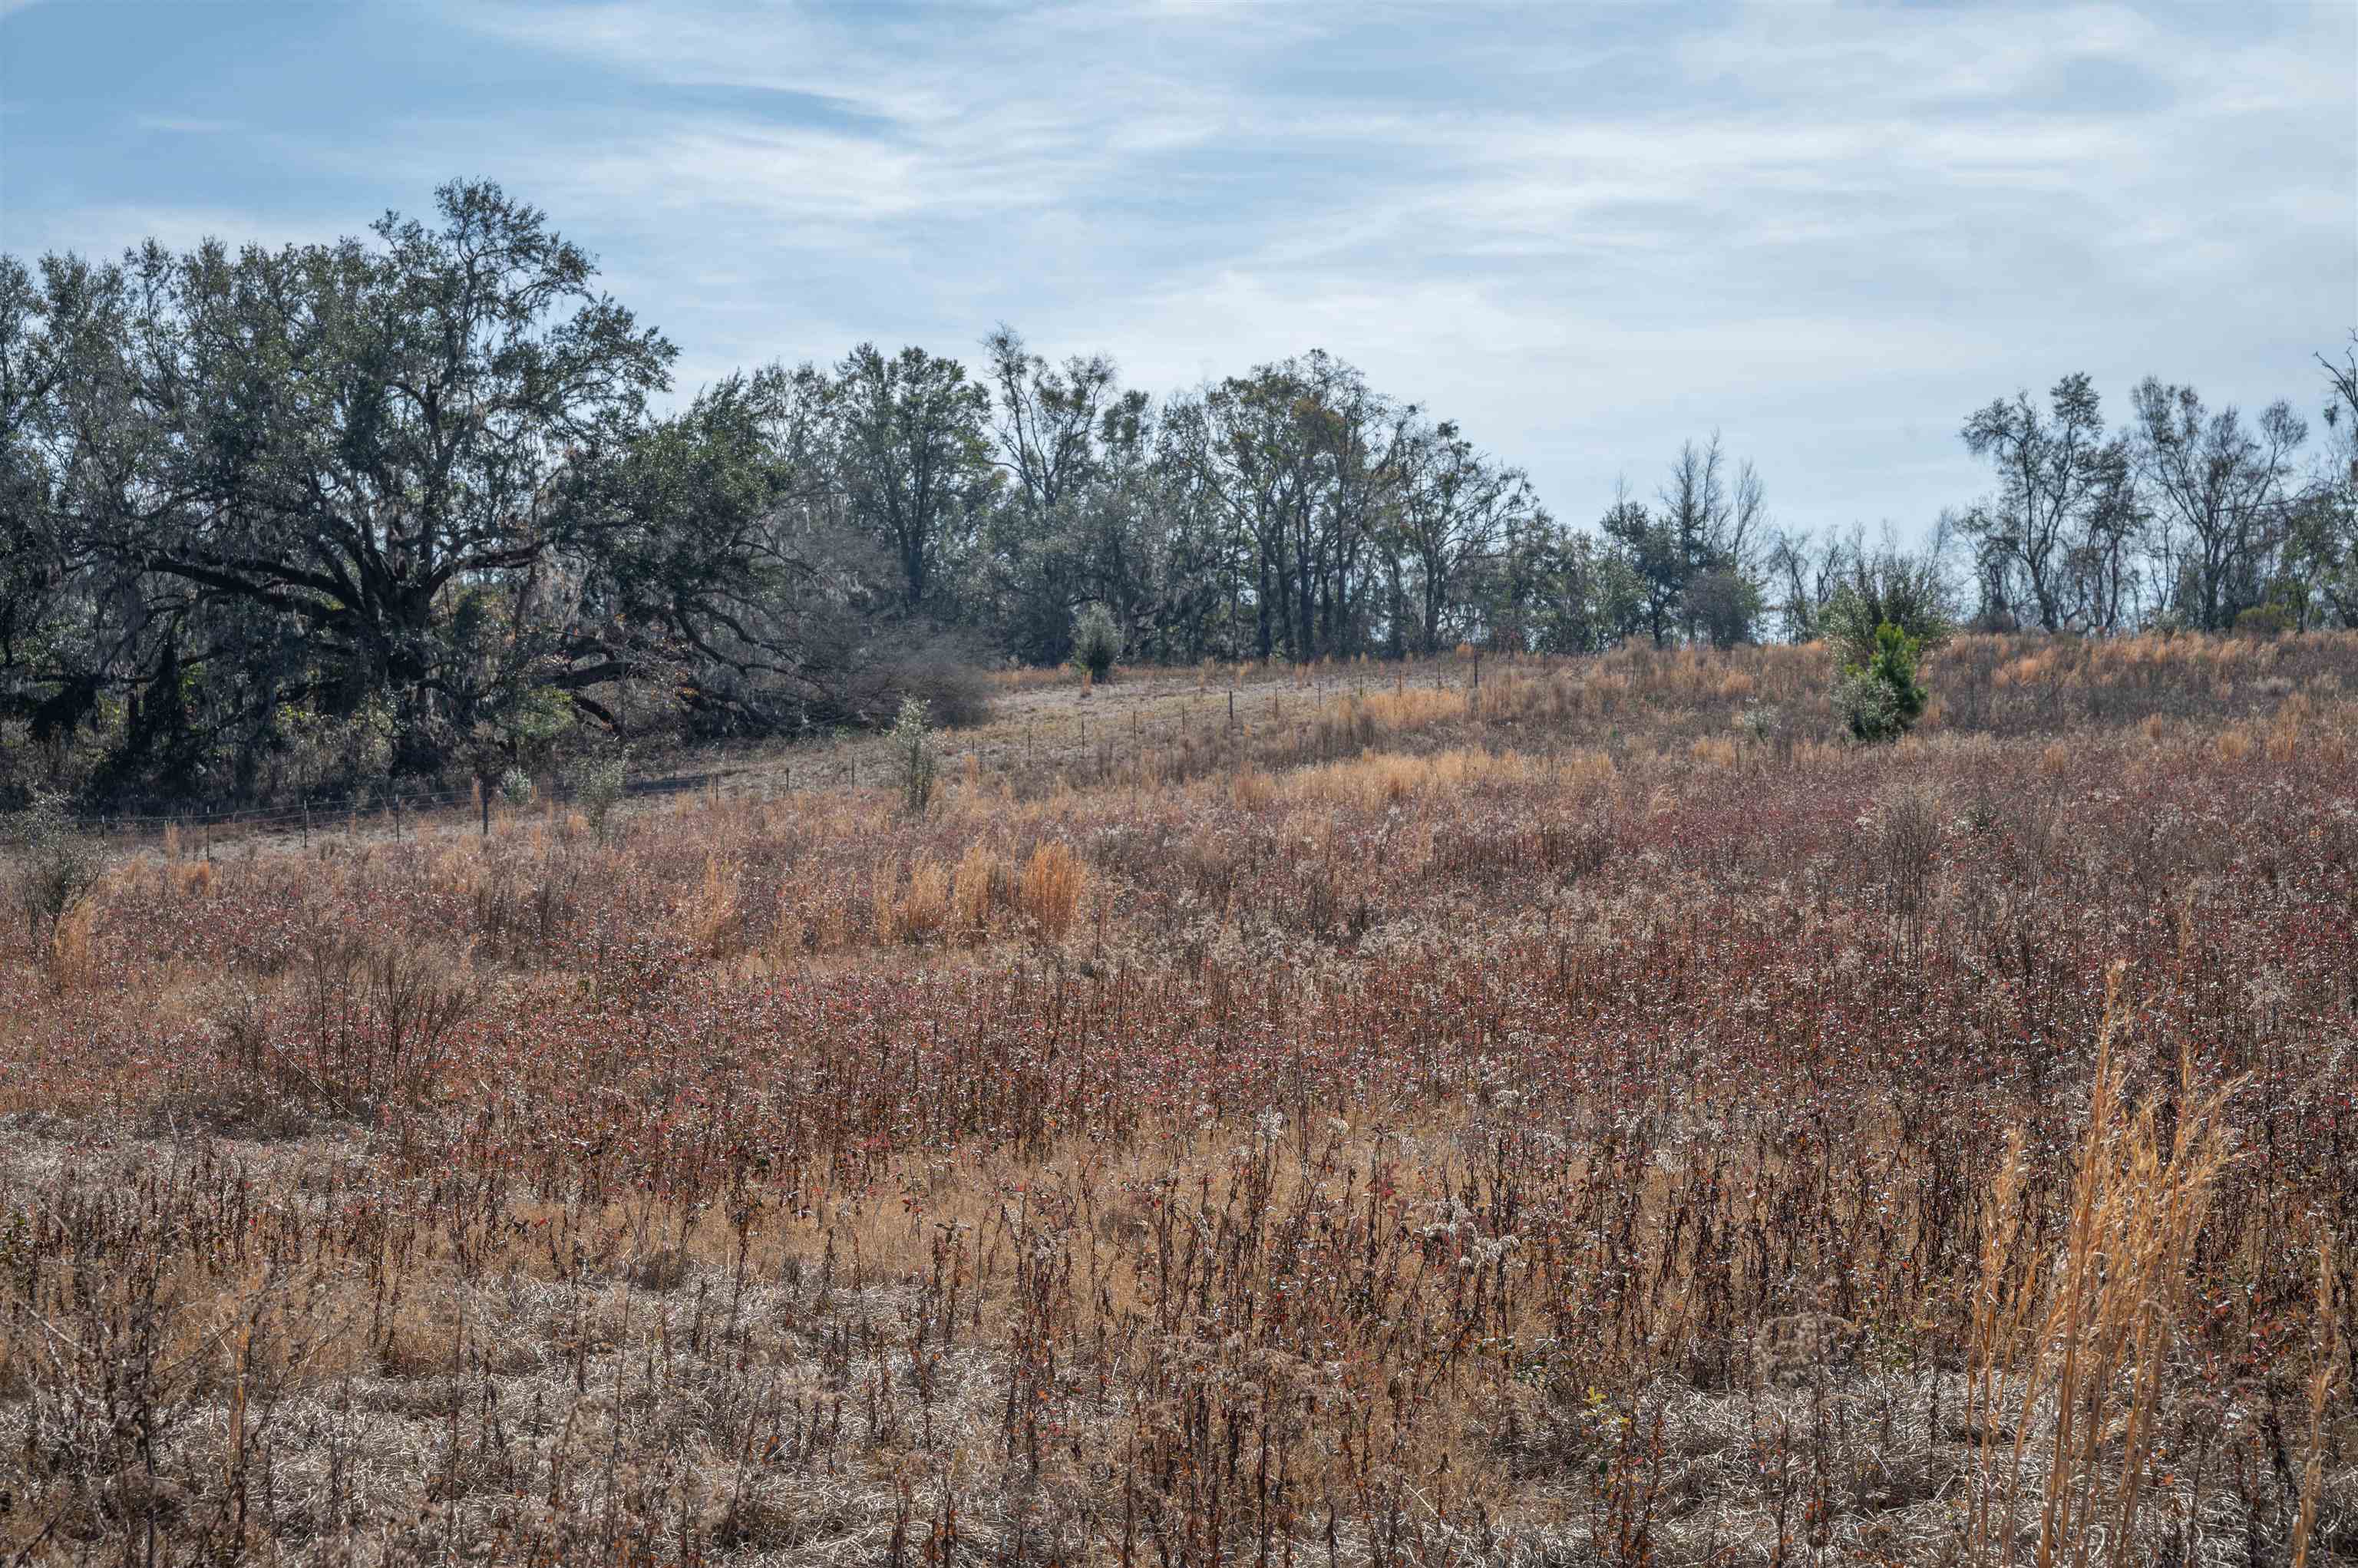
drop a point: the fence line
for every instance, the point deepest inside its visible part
(1233, 727)
(323, 813)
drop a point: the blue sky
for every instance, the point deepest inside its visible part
(1585, 231)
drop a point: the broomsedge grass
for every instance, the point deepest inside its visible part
(1593, 1123)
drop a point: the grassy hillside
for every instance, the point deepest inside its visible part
(1593, 1114)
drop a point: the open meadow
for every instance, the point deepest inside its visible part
(1597, 1115)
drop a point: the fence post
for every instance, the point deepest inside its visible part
(307, 822)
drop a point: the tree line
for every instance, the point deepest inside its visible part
(412, 505)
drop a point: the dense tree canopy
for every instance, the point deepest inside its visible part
(421, 504)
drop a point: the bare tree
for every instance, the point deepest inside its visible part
(2221, 496)
(1717, 512)
(1803, 572)
(2056, 477)
(2105, 559)
(1046, 418)
(2328, 507)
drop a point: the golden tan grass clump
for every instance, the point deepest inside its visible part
(926, 912)
(1714, 752)
(919, 912)
(2073, 1352)
(74, 952)
(1051, 889)
(710, 915)
(985, 881)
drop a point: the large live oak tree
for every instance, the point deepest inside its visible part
(429, 458)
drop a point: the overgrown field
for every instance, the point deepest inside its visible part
(1603, 1118)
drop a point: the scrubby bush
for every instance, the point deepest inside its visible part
(1096, 640)
(1895, 590)
(516, 789)
(1881, 699)
(2264, 621)
(955, 692)
(956, 695)
(53, 866)
(913, 754)
(1726, 608)
(597, 790)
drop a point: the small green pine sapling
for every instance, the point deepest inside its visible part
(1881, 699)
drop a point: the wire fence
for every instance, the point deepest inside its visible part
(1082, 750)
(391, 811)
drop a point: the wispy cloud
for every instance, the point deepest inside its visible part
(1585, 232)
(106, 228)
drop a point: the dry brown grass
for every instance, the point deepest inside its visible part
(1050, 893)
(2079, 1346)
(986, 884)
(1592, 1125)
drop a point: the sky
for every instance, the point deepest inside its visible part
(1585, 231)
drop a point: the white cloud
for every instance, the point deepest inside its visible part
(1587, 232)
(103, 229)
